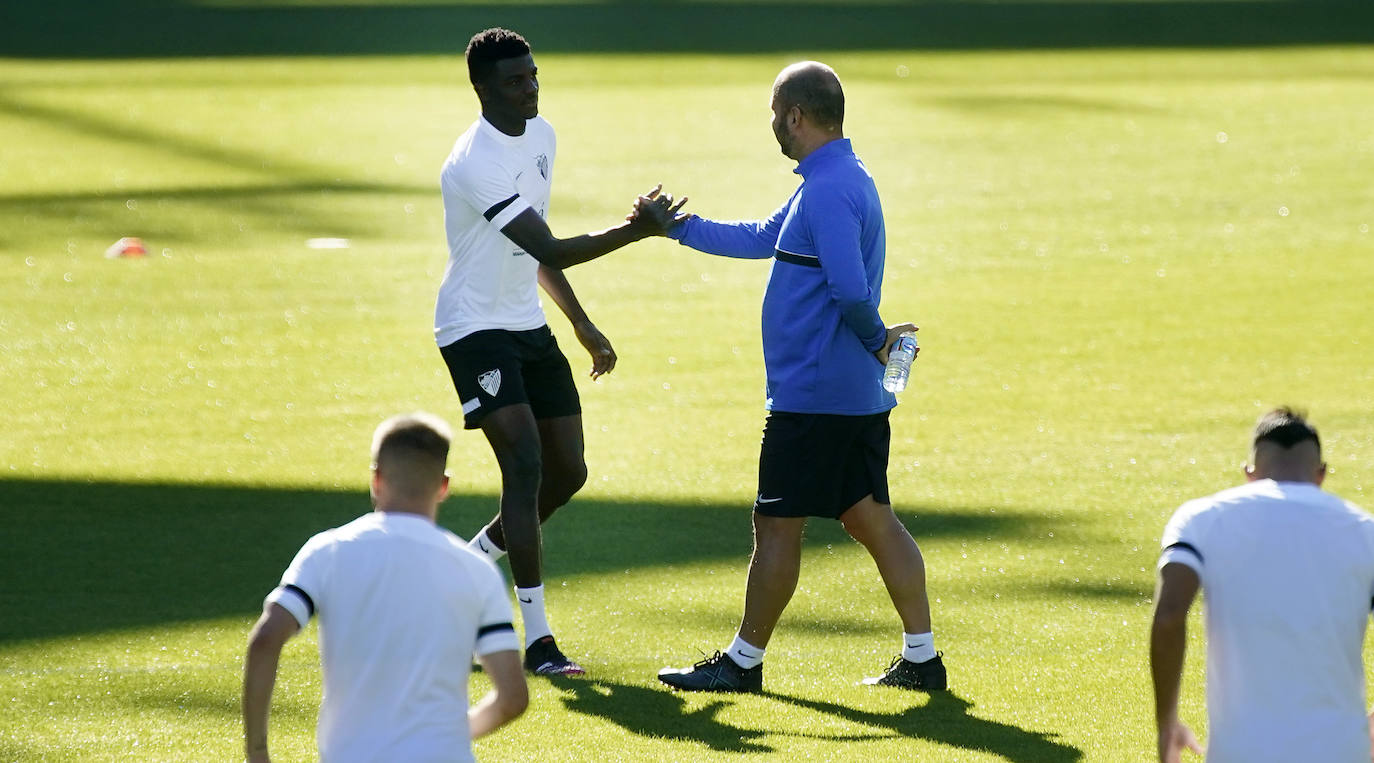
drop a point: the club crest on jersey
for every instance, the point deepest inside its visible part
(490, 381)
(542, 161)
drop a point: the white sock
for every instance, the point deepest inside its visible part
(532, 613)
(918, 647)
(483, 545)
(745, 654)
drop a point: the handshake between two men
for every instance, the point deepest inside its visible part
(656, 211)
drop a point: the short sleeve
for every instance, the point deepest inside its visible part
(304, 580)
(1182, 542)
(486, 187)
(495, 631)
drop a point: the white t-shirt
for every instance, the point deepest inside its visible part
(488, 179)
(403, 607)
(1287, 575)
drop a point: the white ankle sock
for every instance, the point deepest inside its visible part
(483, 545)
(532, 613)
(745, 654)
(918, 647)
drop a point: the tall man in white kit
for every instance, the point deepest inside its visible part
(513, 381)
(1289, 575)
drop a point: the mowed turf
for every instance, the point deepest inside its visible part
(1118, 259)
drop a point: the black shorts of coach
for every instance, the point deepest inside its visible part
(819, 465)
(496, 368)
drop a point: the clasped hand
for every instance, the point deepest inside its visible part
(656, 211)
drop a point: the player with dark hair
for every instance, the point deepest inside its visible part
(403, 606)
(825, 441)
(489, 46)
(513, 381)
(1289, 575)
(1285, 427)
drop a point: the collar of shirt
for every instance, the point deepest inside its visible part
(835, 148)
(509, 140)
(389, 518)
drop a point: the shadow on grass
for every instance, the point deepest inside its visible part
(276, 204)
(111, 126)
(1123, 591)
(88, 557)
(176, 28)
(946, 719)
(190, 216)
(662, 714)
(658, 714)
(1019, 105)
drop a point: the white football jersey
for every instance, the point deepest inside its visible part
(1287, 572)
(488, 179)
(403, 606)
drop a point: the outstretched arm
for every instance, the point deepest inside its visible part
(271, 632)
(556, 286)
(751, 239)
(1178, 586)
(529, 232)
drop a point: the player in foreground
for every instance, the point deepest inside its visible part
(1289, 575)
(513, 381)
(825, 442)
(403, 607)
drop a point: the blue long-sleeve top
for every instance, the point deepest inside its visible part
(820, 311)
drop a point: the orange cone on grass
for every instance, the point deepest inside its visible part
(129, 246)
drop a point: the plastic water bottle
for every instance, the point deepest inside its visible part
(898, 369)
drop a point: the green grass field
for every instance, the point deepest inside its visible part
(1119, 257)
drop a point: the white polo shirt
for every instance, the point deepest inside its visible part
(403, 607)
(490, 178)
(1287, 574)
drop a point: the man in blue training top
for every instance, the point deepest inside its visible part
(825, 442)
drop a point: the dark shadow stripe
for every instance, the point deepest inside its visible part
(233, 540)
(60, 29)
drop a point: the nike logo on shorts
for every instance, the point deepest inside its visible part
(761, 499)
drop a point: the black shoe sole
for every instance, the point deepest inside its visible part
(720, 689)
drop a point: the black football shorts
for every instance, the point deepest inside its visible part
(496, 368)
(819, 465)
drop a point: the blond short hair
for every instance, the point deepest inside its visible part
(410, 451)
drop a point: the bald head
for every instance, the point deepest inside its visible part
(814, 88)
(1286, 448)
